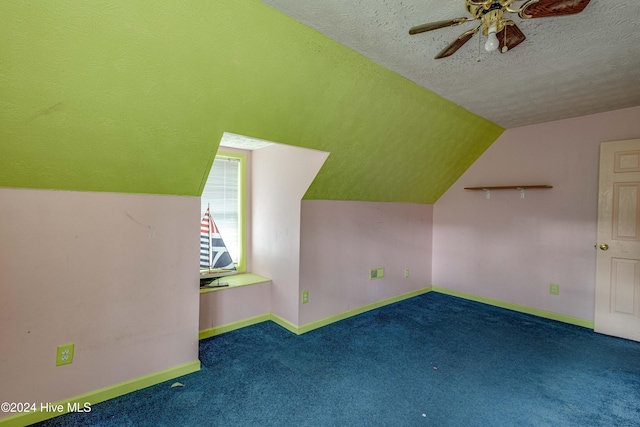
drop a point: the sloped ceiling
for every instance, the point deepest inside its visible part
(568, 66)
(134, 97)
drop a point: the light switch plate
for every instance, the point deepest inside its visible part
(376, 273)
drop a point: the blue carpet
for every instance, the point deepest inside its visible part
(433, 360)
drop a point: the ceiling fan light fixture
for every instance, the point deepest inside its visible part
(493, 21)
(492, 40)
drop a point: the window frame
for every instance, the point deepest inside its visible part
(241, 265)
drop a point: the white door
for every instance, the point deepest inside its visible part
(618, 260)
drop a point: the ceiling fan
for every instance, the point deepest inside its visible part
(501, 32)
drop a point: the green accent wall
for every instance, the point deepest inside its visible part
(133, 97)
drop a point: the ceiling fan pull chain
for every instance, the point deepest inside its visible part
(479, 49)
(505, 48)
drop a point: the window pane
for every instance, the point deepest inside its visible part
(221, 193)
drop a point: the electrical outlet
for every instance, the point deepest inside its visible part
(64, 355)
(406, 273)
(554, 289)
(305, 297)
(376, 273)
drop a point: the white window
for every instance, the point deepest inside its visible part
(223, 194)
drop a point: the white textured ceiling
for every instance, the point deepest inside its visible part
(242, 142)
(568, 66)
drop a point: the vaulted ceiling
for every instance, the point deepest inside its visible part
(134, 97)
(568, 66)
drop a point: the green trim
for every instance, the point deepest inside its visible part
(103, 394)
(284, 323)
(228, 327)
(244, 279)
(298, 330)
(241, 266)
(515, 307)
(359, 310)
(217, 330)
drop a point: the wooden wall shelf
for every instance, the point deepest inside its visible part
(509, 187)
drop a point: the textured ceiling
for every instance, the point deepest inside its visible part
(568, 66)
(242, 142)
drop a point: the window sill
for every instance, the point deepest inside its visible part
(236, 281)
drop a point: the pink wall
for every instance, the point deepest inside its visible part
(511, 249)
(115, 274)
(281, 176)
(234, 304)
(342, 241)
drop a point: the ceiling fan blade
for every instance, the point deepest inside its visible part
(510, 36)
(436, 25)
(550, 8)
(458, 43)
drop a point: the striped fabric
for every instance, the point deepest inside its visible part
(213, 252)
(205, 240)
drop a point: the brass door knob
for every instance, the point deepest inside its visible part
(604, 247)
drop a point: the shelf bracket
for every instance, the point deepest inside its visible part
(522, 188)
